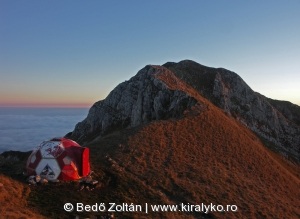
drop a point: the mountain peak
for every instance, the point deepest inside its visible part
(142, 99)
(169, 91)
(184, 64)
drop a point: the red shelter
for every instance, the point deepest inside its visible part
(59, 158)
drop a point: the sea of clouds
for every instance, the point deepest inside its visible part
(23, 129)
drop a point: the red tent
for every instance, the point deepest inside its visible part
(59, 158)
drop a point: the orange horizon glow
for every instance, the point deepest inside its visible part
(46, 102)
(46, 105)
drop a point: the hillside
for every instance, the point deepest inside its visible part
(206, 157)
(158, 139)
(219, 162)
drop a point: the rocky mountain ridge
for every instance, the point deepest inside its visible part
(146, 97)
(277, 123)
(142, 99)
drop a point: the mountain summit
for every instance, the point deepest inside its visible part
(168, 91)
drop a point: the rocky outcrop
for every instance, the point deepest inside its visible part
(274, 121)
(145, 98)
(289, 110)
(142, 99)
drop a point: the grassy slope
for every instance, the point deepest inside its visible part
(13, 196)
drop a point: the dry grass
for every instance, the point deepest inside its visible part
(13, 196)
(214, 161)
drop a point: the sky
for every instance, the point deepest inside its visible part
(71, 53)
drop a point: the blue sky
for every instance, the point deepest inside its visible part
(71, 53)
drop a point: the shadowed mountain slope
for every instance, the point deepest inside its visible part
(289, 110)
(273, 121)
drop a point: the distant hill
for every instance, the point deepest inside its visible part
(182, 133)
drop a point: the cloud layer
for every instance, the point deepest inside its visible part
(24, 129)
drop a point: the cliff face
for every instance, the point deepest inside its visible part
(145, 98)
(289, 110)
(138, 101)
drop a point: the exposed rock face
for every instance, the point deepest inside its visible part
(274, 121)
(289, 110)
(140, 100)
(145, 98)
